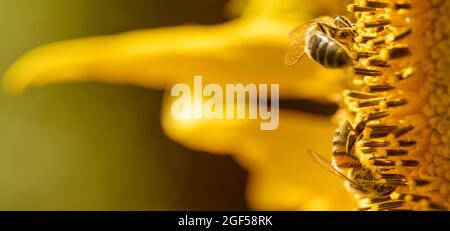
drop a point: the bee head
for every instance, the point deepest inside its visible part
(364, 178)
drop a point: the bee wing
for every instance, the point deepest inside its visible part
(299, 32)
(324, 162)
(294, 53)
(296, 49)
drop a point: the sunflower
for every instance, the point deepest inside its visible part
(400, 89)
(402, 66)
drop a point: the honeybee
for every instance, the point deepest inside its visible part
(346, 165)
(324, 40)
(361, 180)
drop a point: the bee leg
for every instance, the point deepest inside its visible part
(355, 135)
(351, 139)
(328, 29)
(335, 28)
(339, 33)
(342, 22)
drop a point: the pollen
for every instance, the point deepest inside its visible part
(400, 84)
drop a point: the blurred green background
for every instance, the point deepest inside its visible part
(91, 146)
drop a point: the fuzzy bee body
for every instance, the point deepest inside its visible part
(342, 138)
(375, 184)
(345, 160)
(367, 184)
(327, 51)
(346, 164)
(324, 40)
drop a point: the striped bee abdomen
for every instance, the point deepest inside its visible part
(340, 137)
(327, 51)
(341, 157)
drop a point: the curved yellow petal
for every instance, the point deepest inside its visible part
(242, 50)
(282, 174)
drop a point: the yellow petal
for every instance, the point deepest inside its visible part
(286, 9)
(242, 50)
(282, 175)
